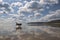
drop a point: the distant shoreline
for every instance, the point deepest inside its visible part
(50, 23)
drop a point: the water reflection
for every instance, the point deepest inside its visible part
(33, 33)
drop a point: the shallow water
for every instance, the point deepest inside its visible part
(32, 33)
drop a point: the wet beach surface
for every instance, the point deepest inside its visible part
(32, 33)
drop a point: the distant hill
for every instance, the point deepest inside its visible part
(53, 22)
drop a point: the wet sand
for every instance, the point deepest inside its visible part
(34, 33)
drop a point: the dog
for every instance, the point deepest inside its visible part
(19, 26)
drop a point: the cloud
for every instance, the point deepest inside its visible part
(53, 15)
(1, 1)
(30, 16)
(52, 1)
(31, 8)
(35, 0)
(5, 7)
(49, 2)
(34, 8)
(33, 5)
(16, 4)
(23, 9)
(14, 15)
(24, 12)
(1, 12)
(37, 14)
(25, 1)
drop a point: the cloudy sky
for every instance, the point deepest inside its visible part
(29, 10)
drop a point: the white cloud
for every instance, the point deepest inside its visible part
(53, 15)
(25, 1)
(42, 1)
(35, 0)
(16, 4)
(30, 16)
(1, 12)
(14, 15)
(1, 1)
(52, 1)
(5, 7)
(34, 5)
(49, 1)
(30, 8)
(37, 14)
(23, 9)
(22, 15)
